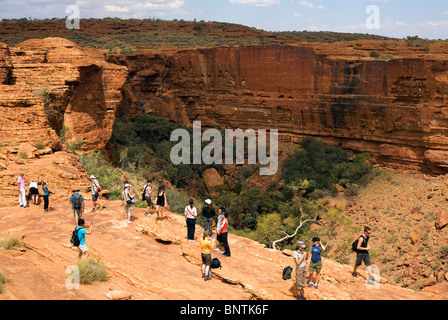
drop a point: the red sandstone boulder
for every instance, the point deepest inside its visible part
(442, 220)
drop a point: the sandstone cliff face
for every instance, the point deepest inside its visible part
(51, 87)
(394, 109)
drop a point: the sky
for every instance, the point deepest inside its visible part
(394, 18)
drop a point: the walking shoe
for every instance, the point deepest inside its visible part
(310, 284)
(315, 285)
(354, 274)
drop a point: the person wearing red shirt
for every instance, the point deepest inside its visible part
(223, 232)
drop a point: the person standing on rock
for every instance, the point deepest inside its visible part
(224, 234)
(83, 250)
(221, 212)
(95, 193)
(46, 196)
(206, 255)
(130, 201)
(161, 202)
(300, 258)
(208, 214)
(362, 251)
(34, 191)
(146, 196)
(190, 219)
(315, 266)
(22, 191)
(77, 202)
(125, 182)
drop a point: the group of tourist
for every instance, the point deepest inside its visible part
(309, 263)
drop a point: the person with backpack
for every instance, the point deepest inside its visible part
(315, 265)
(96, 189)
(130, 201)
(206, 255)
(46, 196)
(146, 196)
(208, 214)
(190, 219)
(224, 234)
(161, 202)
(361, 247)
(79, 239)
(22, 191)
(300, 259)
(77, 202)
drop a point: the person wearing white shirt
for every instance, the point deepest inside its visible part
(34, 191)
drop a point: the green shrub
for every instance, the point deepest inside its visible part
(91, 271)
(375, 54)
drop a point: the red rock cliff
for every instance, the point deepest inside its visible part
(394, 109)
(47, 85)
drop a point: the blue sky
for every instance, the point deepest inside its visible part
(395, 18)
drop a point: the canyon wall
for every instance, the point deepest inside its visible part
(394, 109)
(53, 92)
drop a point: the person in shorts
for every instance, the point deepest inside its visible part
(300, 258)
(95, 193)
(315, 266)
(362, 252)
(206, 255)
(83, 250)
(34, 191)
(147, 190)
(77, 202)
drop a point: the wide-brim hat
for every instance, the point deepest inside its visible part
(92, 177)
(208, 201)
(301, 244)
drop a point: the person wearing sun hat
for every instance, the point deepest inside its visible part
(316, 262)
(95, 192)
(300, 258)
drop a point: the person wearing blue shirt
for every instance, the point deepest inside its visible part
(46, 196)
(83, 250)
(315, 265)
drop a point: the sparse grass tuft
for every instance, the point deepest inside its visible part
(9, 242)
(2, 282)
(91, 271)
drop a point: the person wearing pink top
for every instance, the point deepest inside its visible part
(22, 196)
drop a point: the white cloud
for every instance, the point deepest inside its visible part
(111, 8)
(311, 6)
(256, 3)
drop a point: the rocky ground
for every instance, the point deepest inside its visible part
(152, 260)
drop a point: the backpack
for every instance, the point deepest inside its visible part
(77, 203)
(355, 244)
(100, 187)
(287, 273)
(75, 239)
(216, 264)
(144, 193)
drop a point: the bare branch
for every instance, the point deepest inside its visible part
(274, 243)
